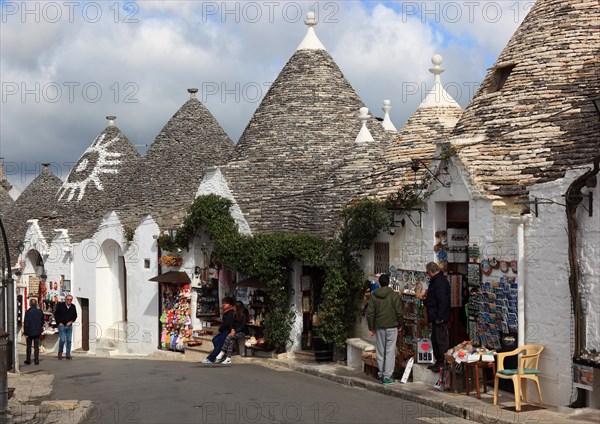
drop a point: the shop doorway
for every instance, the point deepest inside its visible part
(457, 227)
(85, 323)
(311, 285)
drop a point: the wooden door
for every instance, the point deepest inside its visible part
(85, 323)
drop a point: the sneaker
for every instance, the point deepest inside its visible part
(207, 361)
(388, 381)
(27, 362)
(226, 361)
(220, 356)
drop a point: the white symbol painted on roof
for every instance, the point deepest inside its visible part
(96, 160)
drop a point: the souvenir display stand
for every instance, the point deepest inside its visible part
(496, 303)
(411, 285)
(207, 305)
(175, 320)
(256, 301)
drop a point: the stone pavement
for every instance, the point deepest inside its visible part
(467, 407)
(32, 401)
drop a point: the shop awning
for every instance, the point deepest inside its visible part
(173, 277)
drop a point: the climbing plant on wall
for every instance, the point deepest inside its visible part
(269, 258)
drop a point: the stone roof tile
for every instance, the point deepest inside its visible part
(541, 122)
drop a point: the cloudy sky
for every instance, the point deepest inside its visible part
(65, 66)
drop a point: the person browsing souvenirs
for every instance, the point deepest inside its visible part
(437, 302)
(65, 315)
(384, 316)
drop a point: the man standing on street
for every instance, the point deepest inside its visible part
(384, 316)
(65, 315)
(33, 325)
(437, 302)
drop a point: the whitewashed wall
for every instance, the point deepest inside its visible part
(493, 225)
(142, 295)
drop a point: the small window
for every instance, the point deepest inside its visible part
(146, 263)
(501, 75)
(382, 257)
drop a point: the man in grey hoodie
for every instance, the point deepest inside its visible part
(384, 316)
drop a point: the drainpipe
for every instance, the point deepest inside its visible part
(159, 254)
(521, 285)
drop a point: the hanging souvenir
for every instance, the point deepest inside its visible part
(514, 264)
(504, 266)
(486, 269)
(494, 263)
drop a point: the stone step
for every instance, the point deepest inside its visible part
(421, 373)
(304, 356)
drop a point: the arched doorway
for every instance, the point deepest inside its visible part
(111, 289)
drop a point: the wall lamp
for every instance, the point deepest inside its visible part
(21, 247)
(394, 225)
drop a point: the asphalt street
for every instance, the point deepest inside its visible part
(159, 391)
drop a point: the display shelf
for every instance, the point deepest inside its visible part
(207, 304)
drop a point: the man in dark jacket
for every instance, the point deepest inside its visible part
(437, 302)
(65, 315)
(384, 316)
(33, 325)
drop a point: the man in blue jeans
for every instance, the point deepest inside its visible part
(65, 315)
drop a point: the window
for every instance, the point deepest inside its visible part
(500, 77)
(146, 263)
(382, 257)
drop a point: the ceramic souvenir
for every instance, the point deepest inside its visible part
(486, 269)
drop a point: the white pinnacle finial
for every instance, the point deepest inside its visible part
(437, 70)
(438, 96)
(192, 92)
(311, 41)
(387, 123)
(364, 134)
(111, 120)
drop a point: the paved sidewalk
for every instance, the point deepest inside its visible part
(467, 407)
(32, 402)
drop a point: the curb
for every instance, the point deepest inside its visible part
(467, 408)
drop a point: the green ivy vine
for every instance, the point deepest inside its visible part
(269, 257)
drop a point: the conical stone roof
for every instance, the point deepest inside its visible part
(37, 201)
(6, 201)
(541, 121)
(429, 125)
(176, 162)
(285, 168)
(6, 211)
(98, 183)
